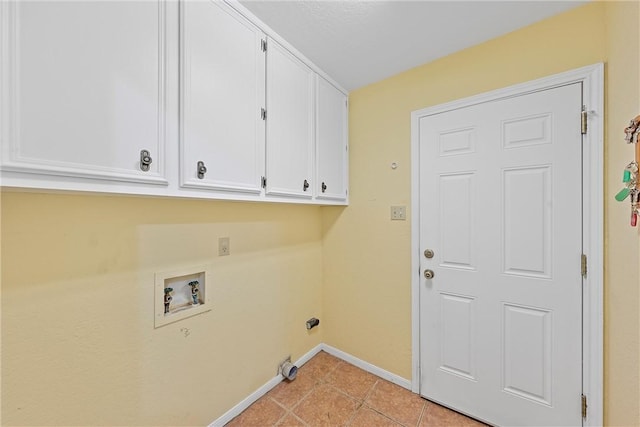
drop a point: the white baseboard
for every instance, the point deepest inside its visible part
(396, 379)
(245, 403)
(249, 400)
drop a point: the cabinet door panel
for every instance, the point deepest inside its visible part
(331, 142)
(85, 88)
(223, 78)
(290, 87)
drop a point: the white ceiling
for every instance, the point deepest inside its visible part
(358, 42)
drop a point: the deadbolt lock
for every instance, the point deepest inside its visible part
(428, 274)
(428, 253)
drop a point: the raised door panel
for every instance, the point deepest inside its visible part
(331, 142)
(223, 91)
(290, 100)
(84, 89)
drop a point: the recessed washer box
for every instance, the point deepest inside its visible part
(180, 294)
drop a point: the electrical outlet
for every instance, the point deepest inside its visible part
(398, 213)
(223, 246)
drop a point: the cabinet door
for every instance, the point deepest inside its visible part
(331, 142)
(84, 89)
(223, 78)
(290, 87)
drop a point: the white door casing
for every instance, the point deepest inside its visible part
(477, 242)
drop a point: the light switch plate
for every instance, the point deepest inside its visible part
(398, 213)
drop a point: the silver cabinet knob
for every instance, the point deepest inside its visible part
(428, 274)
(145, 160)
(202, 169)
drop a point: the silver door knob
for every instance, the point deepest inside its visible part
(428, 274)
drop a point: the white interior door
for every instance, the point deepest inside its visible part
(500, 206)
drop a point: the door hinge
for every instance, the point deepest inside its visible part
(584, 407)
(583, 120)
(264, 182)
(583, 265)
(263, 45)
(263, 114)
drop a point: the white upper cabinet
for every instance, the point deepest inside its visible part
(222, 95)
(188, 98)
(290, 119)
(83, 88)
(331, 142)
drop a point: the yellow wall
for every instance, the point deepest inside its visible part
(367, 259)
(622, 245)
(78, 337)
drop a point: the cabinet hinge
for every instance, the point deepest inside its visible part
(583, 120)
(584, 407)
(583, 265)
(264, 182)
(263, 45)
(263, 114)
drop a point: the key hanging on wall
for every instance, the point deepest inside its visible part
(630, 174)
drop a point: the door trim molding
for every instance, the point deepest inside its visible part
(592, 79)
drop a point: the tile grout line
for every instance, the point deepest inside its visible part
(282, 417)
(363, 403)
(316, 382)
(368, 395)
(278, 403)
(424, 410)
(287, 412)
(389, 417)
(294, 416)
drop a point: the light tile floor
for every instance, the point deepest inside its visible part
(331, 392)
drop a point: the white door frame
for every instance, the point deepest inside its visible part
(592, 79)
